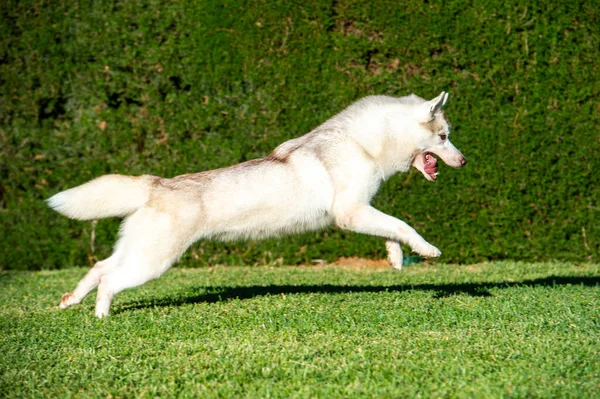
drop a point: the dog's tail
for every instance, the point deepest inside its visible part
(108, 195)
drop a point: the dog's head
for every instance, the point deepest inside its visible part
(432, 138)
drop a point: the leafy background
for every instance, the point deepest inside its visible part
(172, 87)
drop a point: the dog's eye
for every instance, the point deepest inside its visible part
(443, 137)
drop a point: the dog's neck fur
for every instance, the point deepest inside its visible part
(378, 139)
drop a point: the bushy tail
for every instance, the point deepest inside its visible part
(109, 195)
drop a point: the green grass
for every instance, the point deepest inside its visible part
(485, 330)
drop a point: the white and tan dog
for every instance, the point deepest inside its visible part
(327, 176)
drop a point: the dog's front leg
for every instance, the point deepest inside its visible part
(394, 254)
(368, 220)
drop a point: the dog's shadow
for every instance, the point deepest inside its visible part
(211, 294)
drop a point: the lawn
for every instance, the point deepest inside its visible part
(431, 330)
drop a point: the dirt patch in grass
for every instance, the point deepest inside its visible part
(353, 262)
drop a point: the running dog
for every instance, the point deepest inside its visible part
(327, 176)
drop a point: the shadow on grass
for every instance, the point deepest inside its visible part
(211, 294)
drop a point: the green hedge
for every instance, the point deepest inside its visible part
(172, 87)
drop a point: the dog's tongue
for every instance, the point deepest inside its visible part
(431, 166)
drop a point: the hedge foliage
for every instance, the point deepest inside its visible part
(172, 87)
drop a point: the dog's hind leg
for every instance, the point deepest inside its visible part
(88, 283)
(134, 272)
(150, 246)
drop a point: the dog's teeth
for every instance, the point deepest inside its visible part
(435, 174)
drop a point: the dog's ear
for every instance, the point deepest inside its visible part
(437, 103)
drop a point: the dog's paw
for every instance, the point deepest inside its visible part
(394, 254)
(427, 250)
(432, 253)
(65, 300)
(435, 252)
(101, 314)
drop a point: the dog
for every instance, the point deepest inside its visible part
(328, 176)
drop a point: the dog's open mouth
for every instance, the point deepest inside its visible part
(427, 164)
(430, 165)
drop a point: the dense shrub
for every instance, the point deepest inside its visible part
(166, 88)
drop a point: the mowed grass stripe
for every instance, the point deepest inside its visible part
(487, 330)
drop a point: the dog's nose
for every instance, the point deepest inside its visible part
(463, 161)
